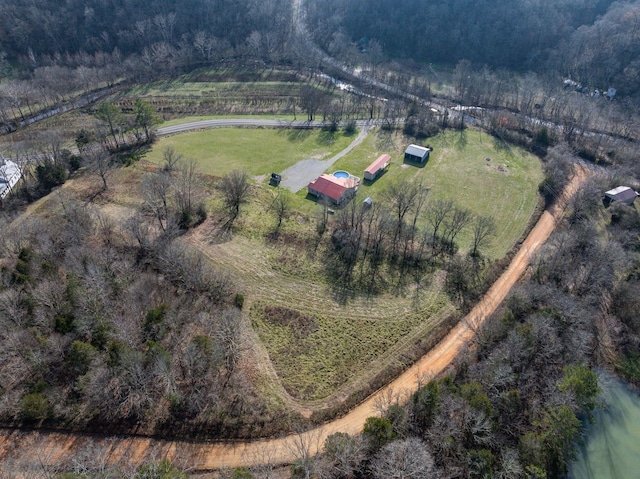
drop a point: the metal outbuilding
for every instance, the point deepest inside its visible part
(416, 154)
(621, 194)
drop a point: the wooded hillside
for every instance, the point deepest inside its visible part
(594, 42)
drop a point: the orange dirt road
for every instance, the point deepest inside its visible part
(58, 449)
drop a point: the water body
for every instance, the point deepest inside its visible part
(611, 448)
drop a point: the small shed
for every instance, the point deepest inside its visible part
(621, 194)
(367, 202)
(335, 189)
(376, 168)
(416, 154)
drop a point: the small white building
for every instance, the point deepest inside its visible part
(9, 175)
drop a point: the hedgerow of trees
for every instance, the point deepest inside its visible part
(406, 237)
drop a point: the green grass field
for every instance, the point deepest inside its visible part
(257, 151)
(317, 341)
(316, 352)
(504, 187)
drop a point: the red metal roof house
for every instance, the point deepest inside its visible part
(376, 168)
(332, 188)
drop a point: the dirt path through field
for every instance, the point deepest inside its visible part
(60, 448)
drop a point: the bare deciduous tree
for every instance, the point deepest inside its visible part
(437, 214)
(404, 459)
(404, 196)
(235, 189)
(456, 223)
(100, 164)
(229, 335)
(156, 189)
(171, 158)
(281, 206)
(345, 454)
(304, 447)
(484, 228)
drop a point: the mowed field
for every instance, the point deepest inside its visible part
(256, 151)
(320, 342)
(466, 167)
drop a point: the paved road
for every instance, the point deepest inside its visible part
(203, 124)
(237, 122)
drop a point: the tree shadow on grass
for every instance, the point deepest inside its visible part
(297, 134)
(461, 140)
(327, 137)
(385, 141)
(502, 145)
(342, 292)
(218, 230)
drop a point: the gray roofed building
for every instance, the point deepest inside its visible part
(415, 153)
(622, 194)
(9, 175)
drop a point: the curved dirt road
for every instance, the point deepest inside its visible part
(60, 448)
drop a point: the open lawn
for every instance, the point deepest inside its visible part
(257, 151)
(467, 167)
(319, 340)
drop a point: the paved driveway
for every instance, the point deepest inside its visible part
(298, 176)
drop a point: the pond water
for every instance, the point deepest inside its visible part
(611, 448)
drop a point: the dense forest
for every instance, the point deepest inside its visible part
(596, 43)
(40, 28)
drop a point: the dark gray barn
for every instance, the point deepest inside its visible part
(416, 154)
(621, 194)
